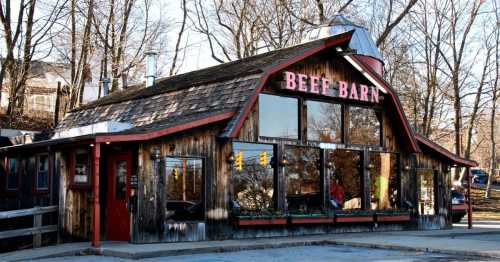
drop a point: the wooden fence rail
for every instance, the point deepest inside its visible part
(37, 230)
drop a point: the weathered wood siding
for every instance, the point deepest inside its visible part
(75, 205)
(442, 191)
(149, 223)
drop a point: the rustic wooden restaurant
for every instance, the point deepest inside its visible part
(308, 139)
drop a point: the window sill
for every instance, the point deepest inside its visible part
(392, 216)
(354, 216)
(260, 221)
(311, 219)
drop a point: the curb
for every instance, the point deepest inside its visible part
(110, 252)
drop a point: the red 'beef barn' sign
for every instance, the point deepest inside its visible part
(324, 86)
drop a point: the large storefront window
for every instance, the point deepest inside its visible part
(184, 188)
(364, 126)
(324, 121)
(426, 192)
(253, 176)
(384, 180)
(344, 170)
(278, 116)
(303, 179)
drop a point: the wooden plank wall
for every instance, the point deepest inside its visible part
(75, 205)
(149, 224)
(442, 192)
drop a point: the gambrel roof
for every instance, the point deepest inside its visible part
(223, 93)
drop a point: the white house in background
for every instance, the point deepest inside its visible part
(41, 90)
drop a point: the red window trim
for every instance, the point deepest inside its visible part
(72, 164)
(7, 165)
(36, 189)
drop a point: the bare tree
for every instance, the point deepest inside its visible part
(495, 94)
(173, 67)
(23, 35)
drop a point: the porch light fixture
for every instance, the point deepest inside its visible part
(107, 142)
(91, 145)
(156, 153)
(231, 158)
(284, 161)
(330, 165)
(407, 168)
(370, 166)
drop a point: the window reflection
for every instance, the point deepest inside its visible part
(302, 179)
(364, 126)
(278, 116)
(42, 179)
(384, 180)
(12, 174)
(120, 179)
(426, 193)
(184, 188)
(253, 176)
(344, 170)
(82, 166)
(324, 121)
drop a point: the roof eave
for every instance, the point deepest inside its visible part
(453, 158)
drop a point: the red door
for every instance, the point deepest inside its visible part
(118, 217)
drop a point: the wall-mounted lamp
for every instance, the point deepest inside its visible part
(155, 153)
(407, 168)
(91, 145)
(284, 161)
(231, 158)
(107, 142)
(370, 166)
(330, 165)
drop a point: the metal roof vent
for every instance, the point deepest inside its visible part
(150, 67)
(361, 41)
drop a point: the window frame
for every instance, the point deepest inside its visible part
(299, 117)
(7, 188)
(343, 131)
(362, 186)
(72, 172)
(49, 171)
(203, 179)
(399, 201)
(347, 122)
(276, 165)
(321, 169)
(435, 176)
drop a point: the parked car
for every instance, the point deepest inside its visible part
(458, 206)
(479, 176)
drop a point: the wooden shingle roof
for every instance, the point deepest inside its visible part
(194, 95)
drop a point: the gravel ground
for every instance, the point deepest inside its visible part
(307, 253)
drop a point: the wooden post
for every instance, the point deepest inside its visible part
(469, 200)
(96, 222)
(58, 104)
(37, 223)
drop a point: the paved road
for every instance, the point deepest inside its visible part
(307, 253)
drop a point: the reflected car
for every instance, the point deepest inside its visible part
(458, 206)
(479, 176)
(178, 210)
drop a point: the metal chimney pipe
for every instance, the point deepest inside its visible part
(105, 86)
(150, 67)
